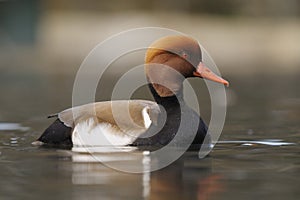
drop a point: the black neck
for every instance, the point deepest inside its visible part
(167, 102)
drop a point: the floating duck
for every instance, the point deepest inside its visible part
(168, 62)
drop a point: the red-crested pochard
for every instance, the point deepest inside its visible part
(141, 122)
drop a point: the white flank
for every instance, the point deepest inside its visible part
(146, 117)
(92, 133)
(110, 123)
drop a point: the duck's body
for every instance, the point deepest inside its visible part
(140, 122)
(102, 123)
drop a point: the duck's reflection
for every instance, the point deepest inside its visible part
(209, 186)
(187, 178)
(167, 183)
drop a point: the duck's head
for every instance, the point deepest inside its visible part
(171, 59)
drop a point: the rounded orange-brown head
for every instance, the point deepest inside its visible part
(171, 59)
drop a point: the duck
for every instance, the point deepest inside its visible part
(142, 123)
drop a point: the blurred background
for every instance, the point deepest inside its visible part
(43, 43)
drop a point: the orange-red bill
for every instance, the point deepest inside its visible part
(204, 72)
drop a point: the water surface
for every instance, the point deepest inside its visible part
(257, 155)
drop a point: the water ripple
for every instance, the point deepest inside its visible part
(269, 142)
(6, 126)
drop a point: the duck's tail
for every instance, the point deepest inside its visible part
(53, 115)
(56, 134)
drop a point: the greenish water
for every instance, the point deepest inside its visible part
(257, 155)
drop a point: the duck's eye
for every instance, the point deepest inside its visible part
(184, 55)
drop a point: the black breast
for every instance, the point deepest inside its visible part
(181, 121)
